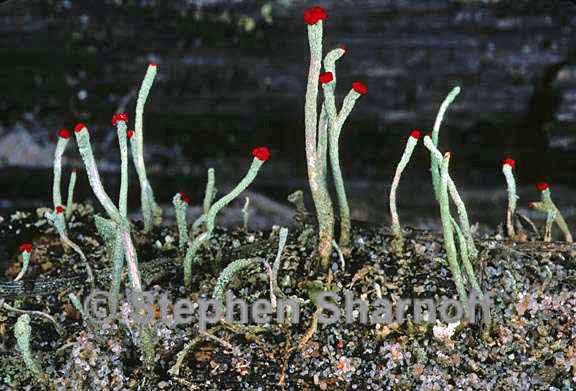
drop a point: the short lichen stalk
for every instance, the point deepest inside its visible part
(209, 195)
(507, 168)
(25, 252)
(23, 332)
(230, 272)
(63, 139)
(181, 202)
(152, 213)
(435, 133)
(318, 186)
(460, 206)
(396, 228)
(554, 213)
(70, 199)
(261, 155)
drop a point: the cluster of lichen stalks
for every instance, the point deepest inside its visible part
(322, 133)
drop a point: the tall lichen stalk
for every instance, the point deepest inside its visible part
(316, 176)
(151, 212)
(507, 167)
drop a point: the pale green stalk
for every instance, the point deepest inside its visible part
(559, 219)
(282, 238)
(322, 145)
(466, 259)
(22, 332)
(56, 194)
(435, 132)
(85, 149)
(512, 198)
(210, 192)
(396, 228)
(228, 274)
(180, 207)
(55, 220)
(461, 207)
(70, 200)
(77, 304)
(117, 269)
(246, 213)
(448, 233)
(25, 264)
(152, 213)
(122, 128)
(318, 186)
(211, 217)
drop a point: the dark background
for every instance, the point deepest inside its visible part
(232, 76)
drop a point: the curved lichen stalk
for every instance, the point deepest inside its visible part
(261, 155)
(436, 131)
(55, 219)
(396, 228)
(229, 272)
(152, 213)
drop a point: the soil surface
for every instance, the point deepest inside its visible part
(529, 344)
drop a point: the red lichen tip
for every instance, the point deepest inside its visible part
(26, 248)
(119, 117)
(59, 209)
(79, 126)
(153, 64)
(326, 77)
(542, 186)
(415, 134)
(343, 46)
(314, 14)
(359, 87)
(184, 198)
(64, 133)
(509, 161)
(261, 153)
(130, 133)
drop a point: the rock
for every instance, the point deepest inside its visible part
(19, 148)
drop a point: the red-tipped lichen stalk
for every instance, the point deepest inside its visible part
(408, 150)
(25, 252)
(544, 188)
(318, 187)
(507, 169)
(63, 140)
(151, 211)
(120, 121)
(261, 155)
